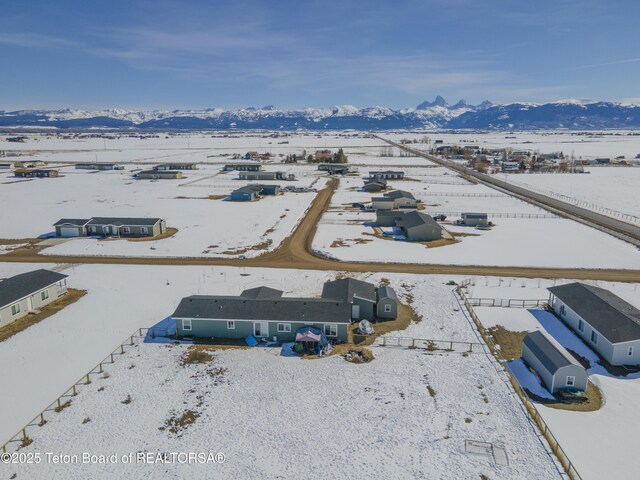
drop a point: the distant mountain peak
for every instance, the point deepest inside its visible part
(461, 104)
(438, 102)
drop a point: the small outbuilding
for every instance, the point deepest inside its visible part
(419, 227)
(387, 303)
(474, 219)
(556, 367)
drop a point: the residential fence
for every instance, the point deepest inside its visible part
(21, 438)
(501, 215)
(588, 205)
(557, 450)
(431, 345)
(507, 302)
(462, 194)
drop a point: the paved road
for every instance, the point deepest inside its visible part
(618, 228)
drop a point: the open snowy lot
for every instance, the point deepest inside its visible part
(207, 224)
(345, 232)
(617, 420)
(614, 188)
(354, 418)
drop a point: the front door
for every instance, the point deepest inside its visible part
(355, 311)
(29, 304)
(260, 329)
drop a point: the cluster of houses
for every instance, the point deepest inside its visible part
(264, 312)
(26, 293)
(109, 227)
(399, 209)
(605, 322)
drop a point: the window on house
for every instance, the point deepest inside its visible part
(581, 325)
(143, 229)
(594, 337)
(630, 351)
(44, 295)
(571, 381)
(284, 327)
(387, 308)
(92, 229)
(563, 311)
(231, 324)
(186, 324)
(126, 230)
(15, 309)
(331, 330)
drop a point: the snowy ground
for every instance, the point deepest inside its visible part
(617, 421)
(614, 188)
(539, 242)
(268, 412)
(205, 227)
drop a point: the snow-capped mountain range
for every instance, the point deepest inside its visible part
(569, 114)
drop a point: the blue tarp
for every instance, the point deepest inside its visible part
(251, 341)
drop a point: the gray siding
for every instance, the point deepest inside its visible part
(381, 308)
(243, 328)
(617, 354)
(423, 233)
(134, 231)
(554, 382)
(35, 300)
(367, 308)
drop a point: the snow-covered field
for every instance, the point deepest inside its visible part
(612, 430)
(271, 416)
(206, 227)
(614, 188)
(539, 242)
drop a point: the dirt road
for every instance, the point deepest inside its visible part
(296, 252)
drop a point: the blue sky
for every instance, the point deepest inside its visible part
(203, 54)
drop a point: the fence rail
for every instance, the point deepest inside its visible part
(428, 344)
(557, 450)
(63, 400)
(462, 194)
(500, 215)
(507, 302)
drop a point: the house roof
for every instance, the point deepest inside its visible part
(373, 172)
(262, 292)
(345, 289)
(475, 215)
(416, 219)
(387, 292)
(302, 310)
(78, 222)
(20, 286)
(120, 221)
(548, 351)
(160, 172)
(617, 320)
(399, 194)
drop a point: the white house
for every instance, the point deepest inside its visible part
(29, 291)
(607, 323)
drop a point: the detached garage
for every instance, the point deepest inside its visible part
(71, 227)
(557, 367)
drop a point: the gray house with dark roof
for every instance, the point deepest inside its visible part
(28, 292)
(264, 312)
(394, 200)
(418, 227)
(261, 312)
(110, 226)
(606, 322)
(556, 367)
